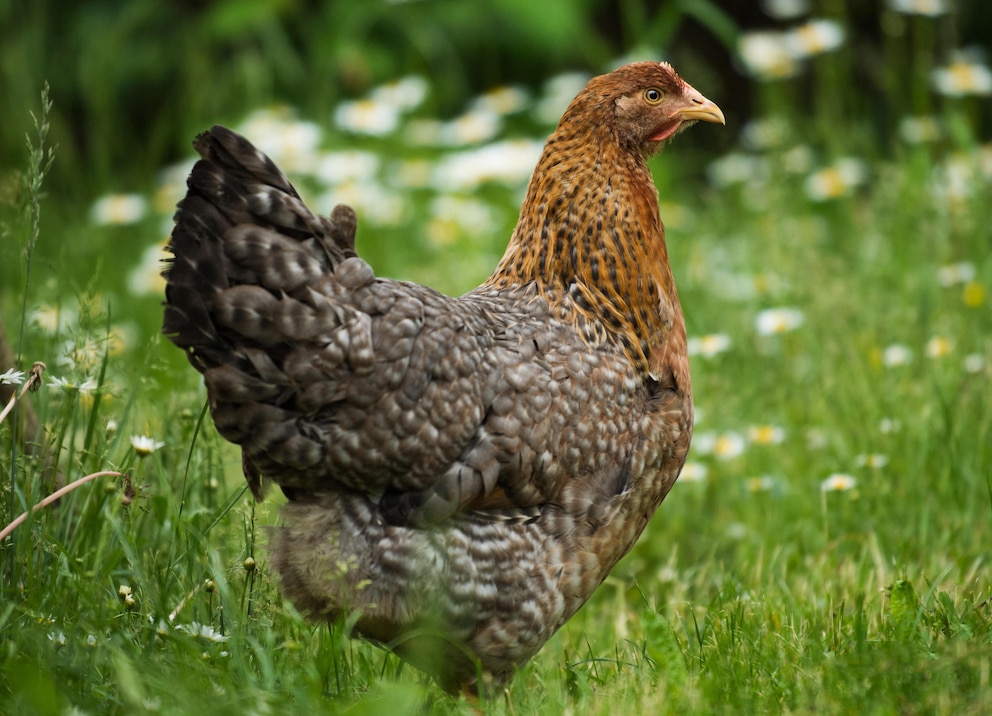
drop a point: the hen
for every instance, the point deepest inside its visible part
(461, 473)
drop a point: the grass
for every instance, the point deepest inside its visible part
(758, 587)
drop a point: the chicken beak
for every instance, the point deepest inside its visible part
(700, 108)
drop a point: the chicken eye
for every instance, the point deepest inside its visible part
(653, 95)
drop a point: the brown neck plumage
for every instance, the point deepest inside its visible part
(591, 240)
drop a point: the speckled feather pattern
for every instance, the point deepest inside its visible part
(462, 472)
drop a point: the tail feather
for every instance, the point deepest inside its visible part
(243, 239)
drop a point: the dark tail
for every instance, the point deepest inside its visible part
(242, 224)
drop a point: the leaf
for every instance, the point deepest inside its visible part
(903, 602)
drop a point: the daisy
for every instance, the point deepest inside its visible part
(952, 274)
(837, 180)
(785, 9)
(367, 116)
(813, 38)
(473, 127)
(838, 482)
(144, 445)
(736, 168)
(404, 94)
(765, 133)
(766, 434)
(964, 76)
(703, 443)
(508, 162)
(502, 100)
(762, 483)
(887, 426)
(974, 362)
(203, 631)
(778, 320)
(12, 377)
(349, 165)
(872, 460)
(927, 8)
(68, 384)
(939, 346)
(766, 55)
(896, 355)
(118, 209)
(728, 446)
(693, 472)
(709, 345)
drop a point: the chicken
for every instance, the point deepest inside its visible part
(461, 473)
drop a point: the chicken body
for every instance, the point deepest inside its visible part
(462, 473)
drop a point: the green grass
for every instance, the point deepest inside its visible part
(753, 589)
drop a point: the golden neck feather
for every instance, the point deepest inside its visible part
(591, 240)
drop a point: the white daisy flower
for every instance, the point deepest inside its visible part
(203, 631)
(766, 434)
(953, 274)
(939, 346)
(837, 180)
(509, 162)
(838, 482)
(693, 472)
(118, 209)
(403, 94)
(502, 100)
(761, 483)
(964, 76)
(729, 445)
(709, 345)
(872, 460)
(349, 165)
(785, 9)
(927, 8)
(773, 321)
(144, 445)
(974, 362)
(367, 116)
(896, 355)
(767, 55)
(12, 377)
(473, 127)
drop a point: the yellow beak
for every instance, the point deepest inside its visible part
(700, 108)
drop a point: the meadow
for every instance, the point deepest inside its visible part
(827, 548)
